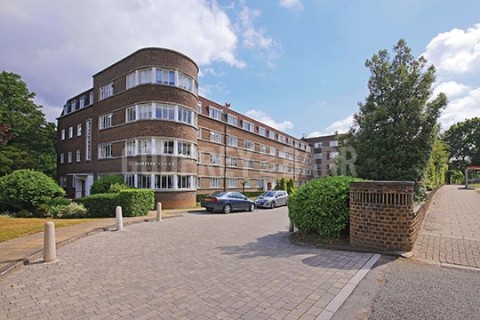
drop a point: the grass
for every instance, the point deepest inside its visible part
(11, 228)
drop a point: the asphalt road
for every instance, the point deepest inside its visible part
(404, 289)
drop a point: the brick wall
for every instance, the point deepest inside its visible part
(383, 217)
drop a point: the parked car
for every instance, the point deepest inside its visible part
(227, 202)
(272, 199)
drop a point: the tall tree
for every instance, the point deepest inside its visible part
(437, 167)
(463, 139)
(394, 130)
(32, 143)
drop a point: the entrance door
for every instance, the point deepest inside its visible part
(83, 188)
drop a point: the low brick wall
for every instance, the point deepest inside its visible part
(382, 216)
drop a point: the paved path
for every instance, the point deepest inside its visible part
(451, 233)
(199, 266)
(14, 252)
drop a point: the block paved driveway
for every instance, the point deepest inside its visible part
(199, 266)
(451, 232)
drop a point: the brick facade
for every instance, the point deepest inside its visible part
(172, 155)
(383, 217)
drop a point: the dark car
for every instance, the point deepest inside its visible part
(272, 199)
(227, 202)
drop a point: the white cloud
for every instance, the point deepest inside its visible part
(340, 126)
(292, 4)
(455, 51)
(461, 108)
(252, 37)
(57, 45)
(451, 89)
(265, 118)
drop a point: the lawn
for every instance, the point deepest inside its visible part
(11, 228)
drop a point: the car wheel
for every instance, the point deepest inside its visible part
(227, 208)
(272, 205)
(252, 207)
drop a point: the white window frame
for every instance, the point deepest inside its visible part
(70, 132)
(62, 158)
(79, 130)
(62, 134)
(247, 125)
(106, 91)
(214, 113)
(232, 120)
(105, 121)
(215, 182)
(262, 131)
(69, 157)
(105, 151)
(78, 156)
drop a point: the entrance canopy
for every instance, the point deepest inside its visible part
(472, 175)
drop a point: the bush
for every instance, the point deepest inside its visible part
(103, 184)
(290, 186)
(251, 194)
(321, 206)
(117, 187)
(134, 202)
(72, 211)
(27, 190)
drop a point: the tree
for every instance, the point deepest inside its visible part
(437, 168)
(395, 129)
(5, 134)
(28, 131)
(290, 186)
(244, 182)
(463, 139)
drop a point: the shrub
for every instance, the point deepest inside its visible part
(290, 186)
(117, 187)
(72, 211)
(134, 202)
(103, 184)
(251, 194)
(27, 190)
(322, 206)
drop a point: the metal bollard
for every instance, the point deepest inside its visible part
(159, 211)
(49, 244)
(119, 218)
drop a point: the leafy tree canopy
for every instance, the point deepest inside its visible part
(463, 139)
(395, 128)
(30, 136)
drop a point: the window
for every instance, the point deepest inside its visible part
(79, 130)
(62, 134)
(248, 126)
(62, 158)
(262, 131)
(281, 154)
(318, 145)
(74, 105)
(130, 147)
(185, 115)
(164, 182)
(144, 111)
(106, 91)
(215, 182)
(70, 132)
(333, 155)
(233, 162)
(164, 112)
(281, 138)
(216, 137)
(214, 113)
(215, 159)
(63, 181)
(105, 121)
(272, 167)
(131, 80)
(263, 165)
(129, 180)
(231, 183)
(249, 164)
(144, 181)
(184, 182)
(69, 157)
(259, 184)
(333, 143)
(249, 145)
(233, 141)
(79, 155)
(199, 133)
(184, 149)
(199, 107)
(272, 151)
(281, 168)
(167, 147)
(164, 76)
(144, 146)
(145, 76)
(185, 82)
(90, 100)
(82, 102)
(271, 134)
(317, 156)
(105, 151)
(231, 119)
(131, 114)
(88, 140)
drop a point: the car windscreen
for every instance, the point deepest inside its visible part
(269, 194)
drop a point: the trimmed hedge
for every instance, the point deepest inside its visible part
(321, 206)
(27, 190)
(103, 184)
(134, 202)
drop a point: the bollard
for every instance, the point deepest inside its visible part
(49, 244)
(159, 211)
(119, 218)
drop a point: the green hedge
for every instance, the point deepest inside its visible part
(321, 206)
(134, 202)
(103, 184)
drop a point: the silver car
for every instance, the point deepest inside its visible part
(272, 199)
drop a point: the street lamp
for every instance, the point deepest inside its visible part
(227, 105)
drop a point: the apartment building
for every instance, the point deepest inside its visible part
(144, 120)
(325, 153)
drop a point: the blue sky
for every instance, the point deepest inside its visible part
(297, 65)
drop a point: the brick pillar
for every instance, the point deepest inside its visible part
(382, 215)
